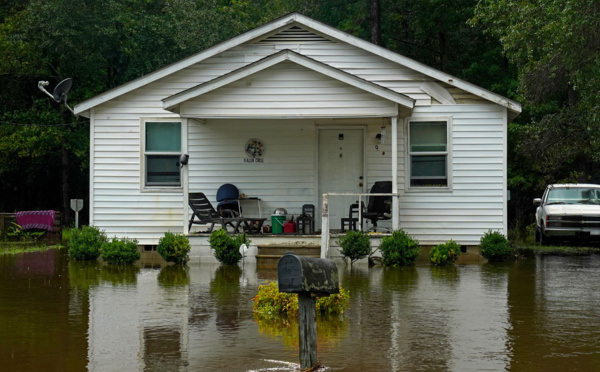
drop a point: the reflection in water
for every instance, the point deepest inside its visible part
(174, 276)
(330, 330)
(225, 292)
(538, 315)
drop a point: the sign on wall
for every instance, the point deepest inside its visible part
(254, 149)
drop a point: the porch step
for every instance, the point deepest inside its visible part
(269, 255)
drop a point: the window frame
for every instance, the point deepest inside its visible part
(144, 187)
(447, 154)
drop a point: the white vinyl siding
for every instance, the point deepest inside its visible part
(476, 202)
(287, 90)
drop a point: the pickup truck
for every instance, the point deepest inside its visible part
(568, 211)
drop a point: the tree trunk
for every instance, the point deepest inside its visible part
(375, 22)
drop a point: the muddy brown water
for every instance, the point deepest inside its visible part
(536, 315)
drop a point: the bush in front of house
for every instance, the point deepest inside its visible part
(355, 245)
(494, 246)
(227, 248)
(269, 301)
(174, 248)
(120, 251)
(399, 249)
(86, 243)
(444, 254)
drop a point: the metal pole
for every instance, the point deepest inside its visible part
(76, 219)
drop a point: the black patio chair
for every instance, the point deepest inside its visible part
(203, 213)
(379, 207)
(352, 219)
(307, 219)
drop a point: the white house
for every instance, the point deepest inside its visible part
(316, 99)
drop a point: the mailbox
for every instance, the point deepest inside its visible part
(298, 274)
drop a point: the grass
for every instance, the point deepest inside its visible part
(10, 248)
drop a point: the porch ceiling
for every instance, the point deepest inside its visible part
(394, 100)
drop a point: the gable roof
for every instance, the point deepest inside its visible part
(287, 55)
(331, 32)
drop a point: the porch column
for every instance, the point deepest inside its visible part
(325, 227)
(395, 203)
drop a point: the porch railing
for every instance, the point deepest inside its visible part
(325, 215)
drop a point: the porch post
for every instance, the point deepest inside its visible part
(325, 227)
(395, 203)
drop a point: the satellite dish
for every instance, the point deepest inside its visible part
(62, 89)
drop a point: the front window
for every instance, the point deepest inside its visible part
(428, 153)
(162, 148)
(573, 195)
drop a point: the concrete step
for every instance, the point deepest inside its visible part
(280, 250)
(271, 260)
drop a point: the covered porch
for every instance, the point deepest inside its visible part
(328, 163)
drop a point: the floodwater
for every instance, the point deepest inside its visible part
(537, 315)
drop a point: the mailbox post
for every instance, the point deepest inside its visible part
(310, 278)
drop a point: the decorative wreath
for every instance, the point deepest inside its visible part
(254, 148)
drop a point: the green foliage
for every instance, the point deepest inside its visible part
(553, 46)
(174, 248)
(86, 243)
(226, 247)
(400, 249)
(16, 233)
(120, 251)
(444, 254)
(270, 301)
(495, 247)
(355, 245)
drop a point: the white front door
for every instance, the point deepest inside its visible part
(340, 170)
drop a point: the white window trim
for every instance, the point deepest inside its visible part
(448, 152)
(143, 121)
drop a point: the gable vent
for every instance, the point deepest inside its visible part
(294, 35)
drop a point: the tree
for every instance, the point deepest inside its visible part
(555, 45)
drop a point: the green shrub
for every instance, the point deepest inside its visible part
(226, 247)
(86, 243)
(120, 252)
(494, 246)
(355, 245)
(400, 249)
(269, 301)
(174, 248)
(444, 254)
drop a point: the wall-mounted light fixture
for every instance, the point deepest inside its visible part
(381, 136)
(183, 159)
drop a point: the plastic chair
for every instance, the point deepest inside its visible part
(306, 219)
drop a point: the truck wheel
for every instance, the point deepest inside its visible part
(536, 235)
